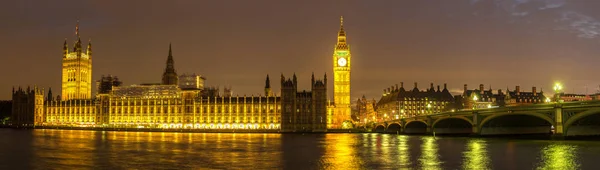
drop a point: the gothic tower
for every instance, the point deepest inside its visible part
(170, 76)
(341, 79)
(268, 92)
(77, 70)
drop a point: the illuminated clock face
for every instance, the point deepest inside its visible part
(342, 62)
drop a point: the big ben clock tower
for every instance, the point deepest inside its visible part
(341, 79)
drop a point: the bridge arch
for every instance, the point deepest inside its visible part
(393, 127)
(544, 123)
(413, 121)
(416, 127)
(571, 129)
(580, 116)
(452, 125)
(454, 117)
(379, 128)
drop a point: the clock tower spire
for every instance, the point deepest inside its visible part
(341, 80)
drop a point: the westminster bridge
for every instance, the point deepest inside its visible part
(560, 119)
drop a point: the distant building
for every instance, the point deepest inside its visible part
(169, 77)
(191, 81)
(106, 84)
(303, 110)
(478, 98)
(397, 102)
(5, 109)
(77, 71)
(365, 109)
(569, 97)
(167, 105)
(481, 99)
(518, 97)
(27, 107)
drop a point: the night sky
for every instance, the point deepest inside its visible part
(502, 43)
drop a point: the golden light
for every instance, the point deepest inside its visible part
(559, 156)
(557, 87)
(475, 98)
(548, 100)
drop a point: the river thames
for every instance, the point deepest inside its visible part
(79, 149)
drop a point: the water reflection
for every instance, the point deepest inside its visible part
(403, 152)
(65, 149)
(475, 155)
(559, 156)
(340, 152)
(429, 153)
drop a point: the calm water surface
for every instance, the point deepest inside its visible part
(66, 149)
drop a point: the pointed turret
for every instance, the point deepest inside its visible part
(268, 91)
(342, 33)
(267, 82)
(49, 97)
(325, 79)
(77, 46)
(294, 80)
(170, 75)
(341, 43)
(65, 49)
(89, 48)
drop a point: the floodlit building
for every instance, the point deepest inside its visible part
(191, 81)
(179, 102)
(397, 102)
(303, 110)
(340, 111)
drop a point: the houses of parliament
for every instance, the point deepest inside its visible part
(181, 101)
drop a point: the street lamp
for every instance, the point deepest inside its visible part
(429, 108)
(474, 101)
(557, 88)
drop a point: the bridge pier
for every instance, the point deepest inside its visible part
(558, 132)
(429, 130)
(476, 121)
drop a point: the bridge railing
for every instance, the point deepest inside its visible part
(530, 107)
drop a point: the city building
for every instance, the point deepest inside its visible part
(5, 111)
(191, 81)
(27, 107)
(167, 105)
(303, 110)
(77, 70)
(104, 85)
(169, 77)
(397, 102)
(341, 109)
(365, 109)
(571, 97)
(518, 97)
(479, 98)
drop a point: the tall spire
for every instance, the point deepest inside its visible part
(267, 82)
(170, 76)
(65, 48)
(341, 43)
(170, 52)
(342, 33)
(77, 29)
(89, 48)
(268, 91)
(77, 46)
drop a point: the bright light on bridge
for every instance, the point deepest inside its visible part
(557, 87)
